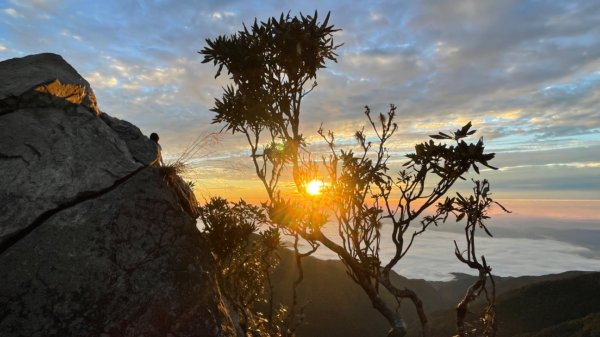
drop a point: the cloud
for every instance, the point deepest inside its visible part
(481, 59)
(525, 72)
(566, 165)
(11, 12)
(432, 255)
(221, 15)
(98, 81)
(585, 155)
(66, 33)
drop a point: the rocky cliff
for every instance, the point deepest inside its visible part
(93, 242)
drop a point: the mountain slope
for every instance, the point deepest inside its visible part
(588, 326)
(338, 307)
(544, 304)
(531, 308)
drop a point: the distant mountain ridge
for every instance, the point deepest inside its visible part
(527, 305)
(588, 326)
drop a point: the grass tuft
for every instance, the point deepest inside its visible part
(173, 171)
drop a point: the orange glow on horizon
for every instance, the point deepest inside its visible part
(314, 187)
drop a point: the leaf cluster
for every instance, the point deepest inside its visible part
(269, 63)
(229, 225)
(244, 256)
(448, 161)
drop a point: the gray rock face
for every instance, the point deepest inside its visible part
(142, 149)
(43, 80)
(125, 264)
(50, 156)
(92, 241)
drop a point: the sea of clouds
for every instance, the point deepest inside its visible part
(520, 246)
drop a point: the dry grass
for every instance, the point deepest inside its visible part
(173, 172)
(201, 147)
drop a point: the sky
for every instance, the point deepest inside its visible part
(526, 73)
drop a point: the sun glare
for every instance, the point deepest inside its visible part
(314, 187)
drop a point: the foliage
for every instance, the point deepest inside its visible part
(244, 260)
(366, 194)
(173, 171)
(270, 63)
(171, 176)
(474, 210)
(273, 65)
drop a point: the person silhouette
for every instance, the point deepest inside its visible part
(159, 161)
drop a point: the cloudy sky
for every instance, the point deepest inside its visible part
(526, 73)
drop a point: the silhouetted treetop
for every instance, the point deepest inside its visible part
(270, 63)
(274, 66)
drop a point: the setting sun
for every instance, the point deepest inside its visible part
(314, 187)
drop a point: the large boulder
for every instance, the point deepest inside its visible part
(93, 242)
(43, 80)
(51, 157)
(56, 149)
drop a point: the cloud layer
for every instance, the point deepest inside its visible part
(527, 73)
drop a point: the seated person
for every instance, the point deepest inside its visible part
(159, 160)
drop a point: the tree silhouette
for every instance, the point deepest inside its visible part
(273, 66)
(244, 260)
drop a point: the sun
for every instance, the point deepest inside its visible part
(314, 187)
